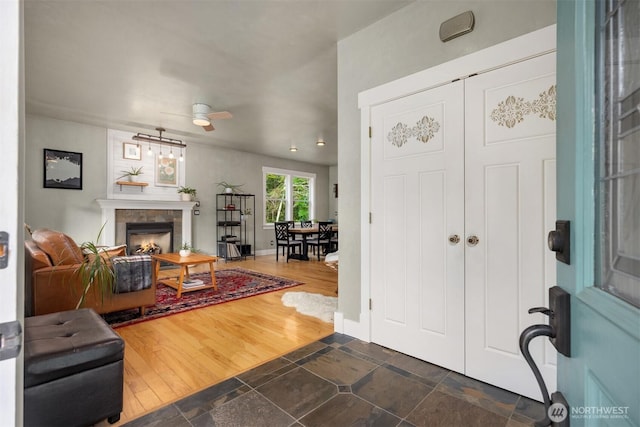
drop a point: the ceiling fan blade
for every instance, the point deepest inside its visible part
(220, 115)
(208, 128)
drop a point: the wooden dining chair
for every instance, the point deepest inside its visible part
(323, 241)
(283, 238)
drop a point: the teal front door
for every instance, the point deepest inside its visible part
(598, 152)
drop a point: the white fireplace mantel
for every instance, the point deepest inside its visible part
(109, 207)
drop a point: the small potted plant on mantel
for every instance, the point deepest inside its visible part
(133, 174)
(187, 193)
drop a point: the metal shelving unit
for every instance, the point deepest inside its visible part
(235, 229)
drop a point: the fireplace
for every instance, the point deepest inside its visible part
(116, 213)
(149, 237)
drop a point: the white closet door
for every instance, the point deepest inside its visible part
(510, 207)
(417, 275)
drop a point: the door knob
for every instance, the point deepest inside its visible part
(472, 240)
(454, 239)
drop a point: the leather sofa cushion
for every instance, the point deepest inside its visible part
(61, 344)
(58, 246)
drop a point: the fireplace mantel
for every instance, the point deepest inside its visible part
(109, 207)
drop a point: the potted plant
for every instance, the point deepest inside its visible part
(230, 188)
(245, 213)
(187, 193)
(95, 270)
(186, 249)
(132, 174)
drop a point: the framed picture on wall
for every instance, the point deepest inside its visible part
(166, 172)
(62, 169)
(131, 151)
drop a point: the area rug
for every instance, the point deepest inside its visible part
(316, 305)
(233, 284)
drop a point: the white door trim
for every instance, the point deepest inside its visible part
(518, 49)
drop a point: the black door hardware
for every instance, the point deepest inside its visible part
(559, 241)
(558, 330)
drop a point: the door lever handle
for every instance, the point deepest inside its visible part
(543, 310)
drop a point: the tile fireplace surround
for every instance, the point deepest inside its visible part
(109, 207)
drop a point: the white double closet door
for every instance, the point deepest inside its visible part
(463, 195)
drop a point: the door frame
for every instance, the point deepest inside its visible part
(11, 198)
(521, 48)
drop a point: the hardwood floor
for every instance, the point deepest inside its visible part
(175, 356)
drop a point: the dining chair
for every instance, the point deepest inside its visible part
(323, 241)
(283, 238)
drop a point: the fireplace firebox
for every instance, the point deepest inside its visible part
(149, 237)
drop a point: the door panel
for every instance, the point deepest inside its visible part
(603, 372)
(509, 145)
(418, 201)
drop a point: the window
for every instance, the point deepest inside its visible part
(618, 266)
(288, 195)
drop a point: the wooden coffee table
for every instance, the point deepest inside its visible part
(184, 263)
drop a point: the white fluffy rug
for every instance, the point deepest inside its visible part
(315, 305)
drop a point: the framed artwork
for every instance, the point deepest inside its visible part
(62, 169)
(166, 172)
(131, 151)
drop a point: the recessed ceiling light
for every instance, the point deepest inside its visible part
(320, 143)
(293, 148)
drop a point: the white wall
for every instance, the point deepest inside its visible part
(77, 214)
(398, 45)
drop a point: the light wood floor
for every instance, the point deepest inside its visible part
(175, 356)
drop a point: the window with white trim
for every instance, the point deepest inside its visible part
(287, 195)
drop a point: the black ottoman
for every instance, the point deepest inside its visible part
(73, 368)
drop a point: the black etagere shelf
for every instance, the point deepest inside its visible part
(235, 225)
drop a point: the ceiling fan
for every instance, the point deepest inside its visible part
(202, 116)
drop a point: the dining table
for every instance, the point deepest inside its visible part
(305, 232)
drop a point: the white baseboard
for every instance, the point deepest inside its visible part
(359, 330)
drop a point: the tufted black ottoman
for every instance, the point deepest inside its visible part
(73, 369)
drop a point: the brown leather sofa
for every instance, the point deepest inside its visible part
(51, 260)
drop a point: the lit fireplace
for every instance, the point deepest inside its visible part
(149, 237)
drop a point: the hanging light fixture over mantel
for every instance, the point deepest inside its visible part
(162, 140)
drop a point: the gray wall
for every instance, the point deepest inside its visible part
(77, 214)
(398, 45)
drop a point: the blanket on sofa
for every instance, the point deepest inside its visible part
(132, 273)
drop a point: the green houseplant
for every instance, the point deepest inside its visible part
(133, 174)
(187, 193)
(230, 188)
(186, 249)
(95, 270)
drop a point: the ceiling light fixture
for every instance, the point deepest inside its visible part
(200, 112)
(162, 141)
(320, 142)
(293, 148)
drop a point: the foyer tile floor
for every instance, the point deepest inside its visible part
(341, 381)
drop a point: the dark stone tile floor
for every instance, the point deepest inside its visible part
(341, 381)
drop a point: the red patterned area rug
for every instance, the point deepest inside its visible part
(233, 284)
